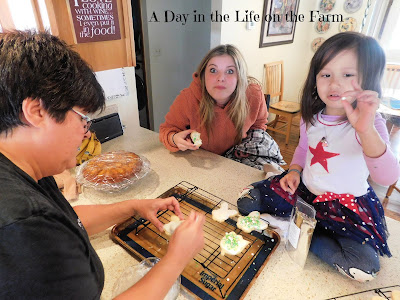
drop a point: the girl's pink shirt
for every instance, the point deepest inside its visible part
(384, 170)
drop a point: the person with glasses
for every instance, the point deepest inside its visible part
(85, 118)
(46, 90)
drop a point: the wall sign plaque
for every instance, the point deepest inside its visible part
(95, 20)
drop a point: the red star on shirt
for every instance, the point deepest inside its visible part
(321, 156)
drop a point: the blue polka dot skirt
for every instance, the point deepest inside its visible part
(359, 218)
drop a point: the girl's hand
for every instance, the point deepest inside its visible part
(290, 182)
(362, 118)
(149, 208)
(183, 141)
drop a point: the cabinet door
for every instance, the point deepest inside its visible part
(101, 55)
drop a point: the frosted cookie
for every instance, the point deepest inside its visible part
(223, 213)
(251, 222)
(195, 136)
(232, 243)
(395, 295)
(170, 227)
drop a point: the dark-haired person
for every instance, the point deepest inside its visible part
(343, 140)
(46, 90)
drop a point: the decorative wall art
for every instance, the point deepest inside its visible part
(327, 5)
(322, 26)
(94, 25)
(351, 6)
(316, 43)
(348, 24)
(278, 22)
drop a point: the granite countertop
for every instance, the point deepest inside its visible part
(280, 278)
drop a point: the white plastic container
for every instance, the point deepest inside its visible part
(300, 232)
(134, 273)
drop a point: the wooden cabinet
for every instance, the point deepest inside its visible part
(101, 55)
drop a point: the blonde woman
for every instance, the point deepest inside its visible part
(222, 103)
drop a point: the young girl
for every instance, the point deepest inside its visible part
(221, 103)
(343, 140)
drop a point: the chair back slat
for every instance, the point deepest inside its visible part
(273, 80)
(391, 81)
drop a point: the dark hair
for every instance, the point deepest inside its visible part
(371, 65)
(41, 66)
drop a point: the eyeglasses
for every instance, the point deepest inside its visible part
(84, 117)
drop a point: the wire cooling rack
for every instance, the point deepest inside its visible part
(384, 292)
(209, 275)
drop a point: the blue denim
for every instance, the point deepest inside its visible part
(345, 254)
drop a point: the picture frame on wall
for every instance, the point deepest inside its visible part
(278, 24)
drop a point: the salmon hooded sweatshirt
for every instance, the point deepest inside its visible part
(184, 114)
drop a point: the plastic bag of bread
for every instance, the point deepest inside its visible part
(112, 171)
(300, 232)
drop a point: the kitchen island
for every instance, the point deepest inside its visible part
(224, 178)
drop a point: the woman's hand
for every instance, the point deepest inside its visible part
(148, 209)
(362, 117)
(183, 141)
(290, 182)
(188, 238)
(185, 243)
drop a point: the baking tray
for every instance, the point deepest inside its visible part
(209, 275)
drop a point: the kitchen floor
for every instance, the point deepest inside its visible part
(393, 208)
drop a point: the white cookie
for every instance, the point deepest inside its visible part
(170, 227)
(223, 213)
(195, 136)
(251, 222)
(232, 243)
(395, 295)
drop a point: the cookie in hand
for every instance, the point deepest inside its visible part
(195, 136)
(170, 227)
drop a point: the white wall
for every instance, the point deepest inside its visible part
(391, 46)
(173, 51)
(215, 36)
(126, 106)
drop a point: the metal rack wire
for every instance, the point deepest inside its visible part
(384, 292)
(232, 272)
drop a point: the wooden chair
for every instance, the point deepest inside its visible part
(391, 81)
(274, 81)
(389, 192)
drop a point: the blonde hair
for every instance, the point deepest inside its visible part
(238, 109)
